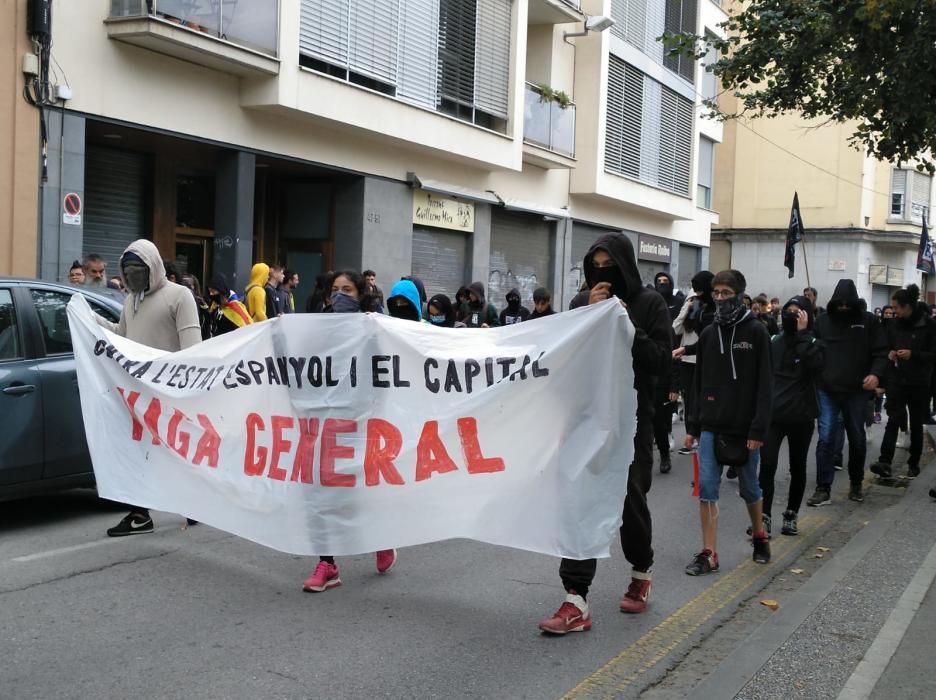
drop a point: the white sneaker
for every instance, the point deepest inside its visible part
(903, 440)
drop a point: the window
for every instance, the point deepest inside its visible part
(53, 320)
(649, 130)
(706, 173)
(641, 23)
(709, 81)
(452, 56)
(9, 331)
(910, 195)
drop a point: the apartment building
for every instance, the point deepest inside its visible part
(863, 217)
(457, 140)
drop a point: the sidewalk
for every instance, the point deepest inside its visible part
(856, 628)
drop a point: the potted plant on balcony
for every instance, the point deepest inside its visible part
(549, 94)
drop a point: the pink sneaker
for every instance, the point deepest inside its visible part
(572, 616)
(325, 576)
(386, 558)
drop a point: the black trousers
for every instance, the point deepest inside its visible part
(636, 529)
(663, 422)
(900, 400)
(798, 436)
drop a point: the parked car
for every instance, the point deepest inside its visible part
(42, 441)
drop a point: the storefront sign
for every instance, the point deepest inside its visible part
(71, 209)
(654, 248)
(836, 266)
(430, 209)
(351, 433)
(895, 276)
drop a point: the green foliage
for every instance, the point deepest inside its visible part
(865, 61)
(549, 94)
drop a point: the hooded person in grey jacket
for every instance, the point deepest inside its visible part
(157, 313)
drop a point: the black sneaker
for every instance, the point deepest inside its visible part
(933, 493)
(882, 469)
(705, 562)
(761, 550)
(685, 450)
(789, 523)
(822, 497)
(913, 471)
(666, 465)
(133, 524)
(766, 520)
(732, 473)
(855, 494)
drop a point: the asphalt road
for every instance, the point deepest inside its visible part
(199, 613)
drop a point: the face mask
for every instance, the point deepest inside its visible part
(216, 298)
(137, 277)
(664, 288)
(513, 302)
(614, 277)
(342, 303)
(790, 321)
(729, 311)
(404, 311)
(437, 320)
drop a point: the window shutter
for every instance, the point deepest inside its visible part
(457, 30)
(921, 189)
(682, 171)
(620, 13)
(419, 50)
(672, 26)
(898, 192)
(632, 121)
(659, 124)
(614, 116)
(373, 40)
(706, 161)
(492, 57)
(688, 23)
(323, 30)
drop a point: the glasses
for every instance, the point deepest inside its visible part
(719, 294)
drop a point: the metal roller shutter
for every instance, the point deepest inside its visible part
(115, 183)
(440, 260)
(522, 249)
(583, 238)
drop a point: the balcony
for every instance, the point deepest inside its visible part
(233, 36)
(555, 11)
(548, 130)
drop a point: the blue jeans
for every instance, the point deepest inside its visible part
(850, 408)
(710, 472)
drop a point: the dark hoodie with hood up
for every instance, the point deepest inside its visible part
(853, 343)
(474, 315)
(514, 312)
(796, 359)
(674, 299)
(652, 349)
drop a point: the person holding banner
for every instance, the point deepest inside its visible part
(611, 270)
(350, 293)
(157, 313)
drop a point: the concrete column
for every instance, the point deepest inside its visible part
(60, 243)
(387, 230)
(564, 285)
(481, 245)
(234, 216)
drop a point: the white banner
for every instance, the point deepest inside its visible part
(351, 433)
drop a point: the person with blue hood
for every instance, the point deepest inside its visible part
(611, 271)
(404, 301)
(796, 361)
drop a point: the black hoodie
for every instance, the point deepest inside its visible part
(652, 349)
(797, 362)
(516, 314)
(917, 334)
(853, 343)
(733, 381)
(474, 315)
(675, 299)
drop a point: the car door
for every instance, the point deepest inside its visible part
(67, 454)
(22, 438)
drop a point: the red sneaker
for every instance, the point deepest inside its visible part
(386, 559)
(635, 600)
(325, 577)
(572, 616)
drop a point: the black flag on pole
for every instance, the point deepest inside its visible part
(794, 235)
(925, 254)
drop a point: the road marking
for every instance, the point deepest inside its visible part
(658, 643)
(63, 550)
(869, 671)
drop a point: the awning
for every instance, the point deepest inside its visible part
(535, 208)
(440, 187)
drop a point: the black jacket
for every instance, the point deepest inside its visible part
(917, 334)
(652, 349)
(796, 361)
(853, 343)
(675, 300)
(734, 382)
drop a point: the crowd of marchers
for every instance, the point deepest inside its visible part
(748, 373)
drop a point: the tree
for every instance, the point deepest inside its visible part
(864, 61)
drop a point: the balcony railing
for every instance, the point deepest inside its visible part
(546, 123)
(253, 24)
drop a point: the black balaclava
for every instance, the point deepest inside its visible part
(789, 320)
(702, 285)
(513, 301)
(220, 284)
(665, 289)
(613, 276)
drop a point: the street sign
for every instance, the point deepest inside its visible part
(71, 209)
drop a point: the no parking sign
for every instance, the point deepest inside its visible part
(71, 209)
